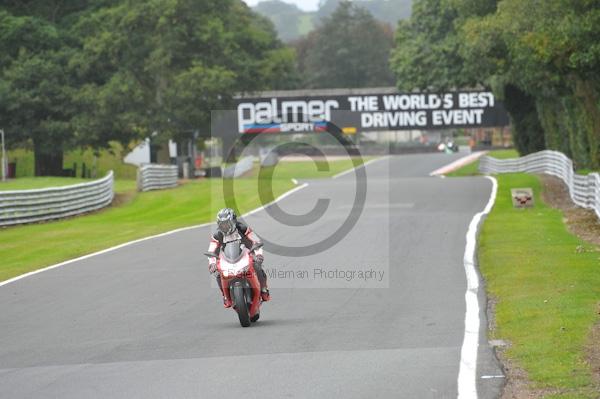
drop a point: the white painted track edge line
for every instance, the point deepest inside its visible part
(125, 244)
(282, 196)
(467, 375)
(363, 165)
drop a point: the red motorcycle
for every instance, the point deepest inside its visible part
(235, 264)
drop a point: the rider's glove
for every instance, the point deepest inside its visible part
(212, 266)
(258, 258)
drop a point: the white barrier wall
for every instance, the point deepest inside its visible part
(242, 166)
(156, 177)
(27, 206)
(268, 157)
(583, 189)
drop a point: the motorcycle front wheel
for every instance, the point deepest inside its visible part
(241, 307)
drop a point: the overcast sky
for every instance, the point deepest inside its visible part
(306, 5)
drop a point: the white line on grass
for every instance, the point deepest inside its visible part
(467, 374)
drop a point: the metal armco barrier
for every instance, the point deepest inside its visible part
(583, 189)
(242, 166)
(27, 206)
(156, 177)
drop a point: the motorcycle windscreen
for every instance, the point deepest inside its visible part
(233, 250)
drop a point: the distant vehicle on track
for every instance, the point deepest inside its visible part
(448, 147)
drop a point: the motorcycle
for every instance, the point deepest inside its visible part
(451, 147)
(235, 264)
(448, 147)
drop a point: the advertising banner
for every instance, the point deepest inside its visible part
(370, 112)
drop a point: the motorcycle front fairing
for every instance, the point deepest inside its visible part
(230, 268)
(240, 271)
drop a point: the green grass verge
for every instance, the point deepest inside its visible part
(547, 285)
(309, 169)
(30, 247)
(472, 169)
(30, 183)
(587, 171)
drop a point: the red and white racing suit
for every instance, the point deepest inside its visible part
(248, 239)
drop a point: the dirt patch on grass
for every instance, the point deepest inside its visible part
(593, 351)
(517, 384)
(123, 198)
(582, 222)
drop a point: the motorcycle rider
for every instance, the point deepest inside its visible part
(229, 227)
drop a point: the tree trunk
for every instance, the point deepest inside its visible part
(47, 162)
(589, 99)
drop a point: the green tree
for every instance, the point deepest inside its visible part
(37, 83)
(540, 57)
(548, 50)
(349, 49)
(35, 91)
(426, 54)
(166, 64)
(287, 18)
(83, 73)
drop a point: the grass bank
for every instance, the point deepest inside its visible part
(546, 286)
(546, 282)
(30, 247)
(30, 183)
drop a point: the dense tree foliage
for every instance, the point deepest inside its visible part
(36, 90)
(390, 11)
(82, 73)
(426, 54)
(292, 23)
(349, 49)
(541, 57)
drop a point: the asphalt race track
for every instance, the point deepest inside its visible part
(143, 322)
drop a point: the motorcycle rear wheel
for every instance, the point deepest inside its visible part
(241, 307)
